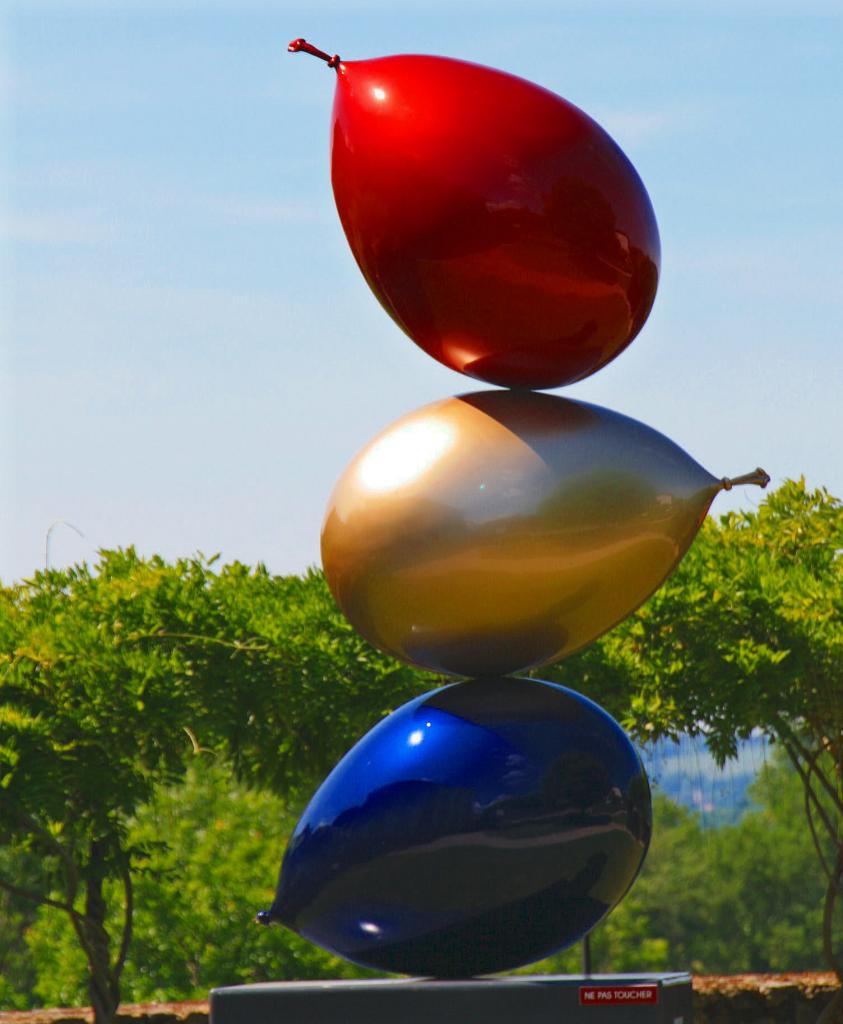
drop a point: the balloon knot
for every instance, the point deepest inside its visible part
(263, 917)
(758, 477)
(303, 46)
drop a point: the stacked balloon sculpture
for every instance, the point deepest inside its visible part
(496, 820)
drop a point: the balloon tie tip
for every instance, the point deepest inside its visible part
(759, 477)
(303, 46)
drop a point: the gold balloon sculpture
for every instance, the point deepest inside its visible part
(499, 531)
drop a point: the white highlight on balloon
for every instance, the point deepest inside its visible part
(404, 455)
(415, 737)
(378, 93)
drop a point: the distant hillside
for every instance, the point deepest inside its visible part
(688, 774)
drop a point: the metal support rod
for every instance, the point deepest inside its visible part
(586, 954)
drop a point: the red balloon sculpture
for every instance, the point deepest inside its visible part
(500, 227)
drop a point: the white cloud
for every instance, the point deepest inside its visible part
(783, 267)
(237, 211)
(630, 127)
(83, 227)
(128, 218)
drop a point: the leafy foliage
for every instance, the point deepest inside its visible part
(110, 675)
(196, 899)
(88, 724)
(749, 631)
(746, 634)
(17, 969)
(288, 684)
(113, 677)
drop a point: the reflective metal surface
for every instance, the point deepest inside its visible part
(499, 531)
(480, 827)
(498, 225)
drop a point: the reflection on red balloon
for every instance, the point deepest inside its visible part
(499, 226)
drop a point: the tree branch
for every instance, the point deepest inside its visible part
(46, 836)
(77, 920)
(235, 645)
(809, 814)
(789, 736)
(809, 792)
(45, 901)
(36, 897)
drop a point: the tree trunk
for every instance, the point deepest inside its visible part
(103, 986)
(833, 1013)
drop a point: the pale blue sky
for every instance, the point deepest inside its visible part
(189, 353)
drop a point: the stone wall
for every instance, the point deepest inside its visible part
(763, 998)
(720, 999)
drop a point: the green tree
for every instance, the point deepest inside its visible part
(17, 970)
(195, 899)
(741, 897)
(110, 675)
(289, 684)
(747, 633)
(88, 724)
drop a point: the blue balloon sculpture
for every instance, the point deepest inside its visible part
(480, 827)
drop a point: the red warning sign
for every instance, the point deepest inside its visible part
(619, 995)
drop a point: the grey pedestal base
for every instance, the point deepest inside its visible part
(525, 999)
